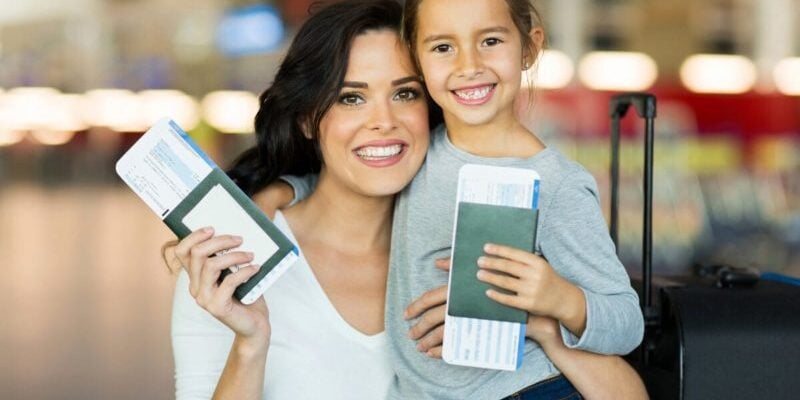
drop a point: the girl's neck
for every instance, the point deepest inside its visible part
(505, 137)
(340, 218)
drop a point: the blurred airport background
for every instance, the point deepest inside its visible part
(85, 299)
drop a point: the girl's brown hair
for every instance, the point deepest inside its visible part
(523, 13)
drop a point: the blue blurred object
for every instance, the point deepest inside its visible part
(772, 276)
(250, 30)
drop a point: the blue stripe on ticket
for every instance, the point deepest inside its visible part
(192, 143)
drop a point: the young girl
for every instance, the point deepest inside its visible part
(471, 54)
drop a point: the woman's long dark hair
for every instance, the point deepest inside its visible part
(306, 86)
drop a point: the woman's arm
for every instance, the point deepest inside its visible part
(595, 376)
(201, 255)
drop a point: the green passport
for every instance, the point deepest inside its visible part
(476, 225)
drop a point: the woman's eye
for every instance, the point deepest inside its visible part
(442, 48)
(351, 99)
(407, 95)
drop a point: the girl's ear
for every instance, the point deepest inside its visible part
(537, 45)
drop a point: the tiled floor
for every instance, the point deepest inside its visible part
(84, 299)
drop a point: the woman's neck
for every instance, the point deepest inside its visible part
(505, 137)
(345, 220)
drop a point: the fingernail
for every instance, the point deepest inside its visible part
(488, 247)
(481, 274)
(481, 260)
(429, 353)
(208, 229)
(250, 255)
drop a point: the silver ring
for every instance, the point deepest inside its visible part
(235, 269)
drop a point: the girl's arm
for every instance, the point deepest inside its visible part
(595, 376)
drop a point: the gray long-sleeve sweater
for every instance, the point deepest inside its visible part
(572, 236)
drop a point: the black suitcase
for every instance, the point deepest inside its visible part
(725, 335)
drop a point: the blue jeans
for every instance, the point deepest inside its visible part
(555, 388)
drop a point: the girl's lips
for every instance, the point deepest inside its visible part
(475, 95)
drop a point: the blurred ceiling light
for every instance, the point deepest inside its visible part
(52, 138)
(617, 71)
(787, 76)
(64, 115)
(553, 70)
(718, 74)
(157, 104)
(118, 109)
(27, 107)
(230, 111)
(9, 138)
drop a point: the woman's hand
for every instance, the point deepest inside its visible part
(535, 286)
(431, 309)
(204, 257)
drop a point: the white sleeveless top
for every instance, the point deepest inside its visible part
(314, 353)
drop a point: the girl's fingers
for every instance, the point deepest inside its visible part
(428, 323)
(508, 299)
(499, 280)
(511, 253)
(503, 265)
(431, 298)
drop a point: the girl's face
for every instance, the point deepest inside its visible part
(471, 54)
(374, 138)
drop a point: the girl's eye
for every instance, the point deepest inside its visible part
(441, 48)
(407, 94)
(492, 42)
(351, 99)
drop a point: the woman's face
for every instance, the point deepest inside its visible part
(374, 138)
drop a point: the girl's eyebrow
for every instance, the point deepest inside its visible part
(493, 29)
(396, 82)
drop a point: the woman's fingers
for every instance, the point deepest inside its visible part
(183, 248)
(223, 295)
(431, 340)
(443, 263)
(209, 275)
(428, 322)
(200, 253)
(431, 298)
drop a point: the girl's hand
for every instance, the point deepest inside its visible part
(205, 256)
(430, 308)
(544, 330)
(535, 286)
(275, 196)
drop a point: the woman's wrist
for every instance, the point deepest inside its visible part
(251, 348)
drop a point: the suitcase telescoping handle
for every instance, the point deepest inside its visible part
(645, 105)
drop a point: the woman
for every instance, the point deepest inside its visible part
(346, 102)
(364, 125)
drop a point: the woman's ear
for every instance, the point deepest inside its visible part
(305, 127)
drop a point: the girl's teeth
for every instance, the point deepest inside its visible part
(473, 94)
(373, 153)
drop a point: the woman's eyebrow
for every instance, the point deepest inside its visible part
(357, 85)
(402, 81)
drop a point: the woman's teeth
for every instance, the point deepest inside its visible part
(474, 93)
(377, 153)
